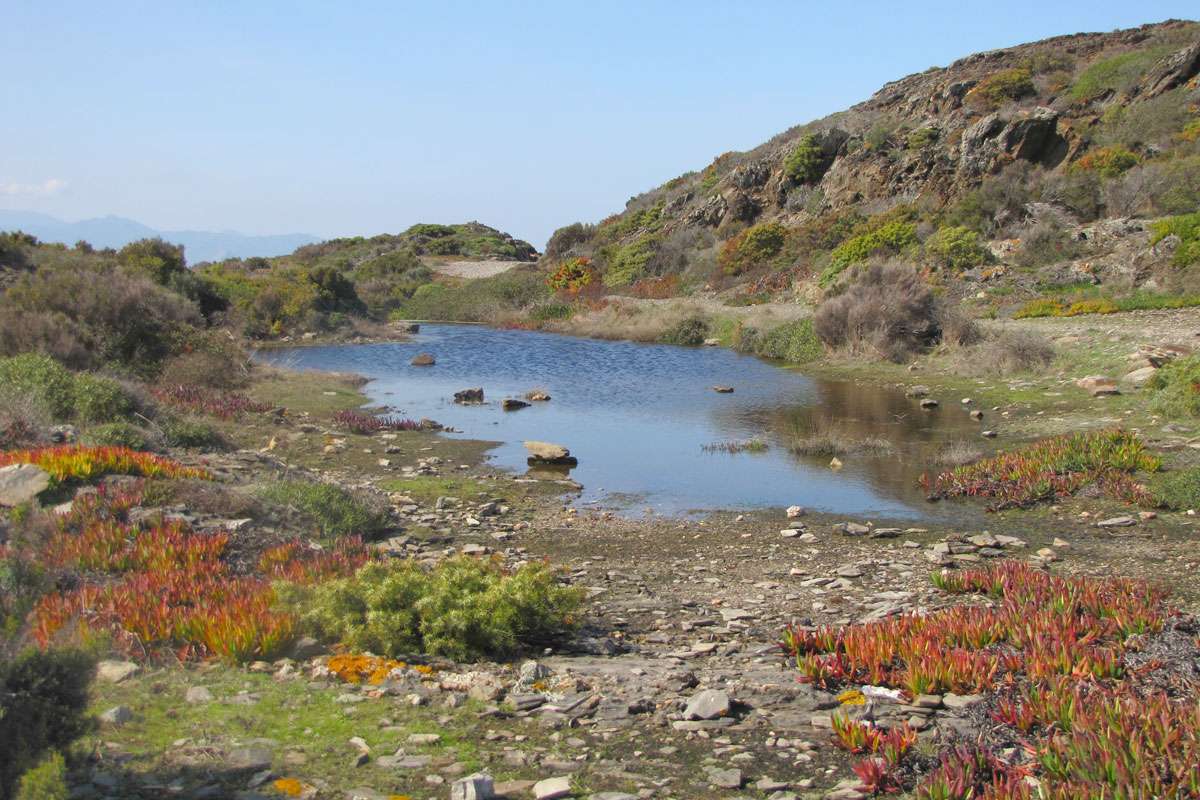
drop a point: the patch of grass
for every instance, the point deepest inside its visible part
(830, 440)
(1116, 73)
(746, 446)
(1001, 87)
(430, 488)
(333, 510)
(1053, 468)
(1187, 228)
(1175, 389)
(463, 608)
(1095, 303)
(308, 392)
(1178, 489)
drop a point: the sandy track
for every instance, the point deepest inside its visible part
(475, 269)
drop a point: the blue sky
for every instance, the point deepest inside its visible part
(361, 117)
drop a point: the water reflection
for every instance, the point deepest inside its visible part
(637, 416)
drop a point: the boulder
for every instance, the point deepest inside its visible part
(538, 396)
(1140, 377)
(513, 404)
(723, 389)
(473, 787)
(552, 788)
(116, 671)
(469, 395)
(1173, 71)
(548, 453)
(22, 483)
(423, 360)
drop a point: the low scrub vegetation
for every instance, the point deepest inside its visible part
(1173, 388)
(1178, 489)
(888, 312)
(1091, 302)
(1187, 228)
(1002, 87)
(830, 440)
(690, 331)
(1054, 468)
(1116, 73)
(333, 510)
(462, 609)
(1052, 653)
(804, 163)
(367, 424)
(64, 395)
(754, 247)
(72, 464)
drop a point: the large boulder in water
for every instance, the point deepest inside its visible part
(548, 453)
(469, 395)
(423, 360)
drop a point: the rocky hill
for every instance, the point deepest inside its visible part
(1025, 144)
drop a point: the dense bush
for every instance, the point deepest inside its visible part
(1109, 162)
(1117, 73)
(88, 320)
(1187, 228)
(1173, 388)
(43, 696)
(46, 781)
(794, 342)
(333, 510)
(1178, 489)
(957, 248)
(564, 240)
(689, 332)
(1001, 87)
(803, 164)
(461, 609)
(190, 433)
(997, 203)
(891, 238)
(888, 311)
(120, 434)
(627, 263)
(482, 300)
(751, 248)
(62, 394)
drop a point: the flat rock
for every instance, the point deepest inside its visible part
(117, 715)
(22, 483)
(249, 758)
(1116, 522)
(423, 360)
(546, 451)
(552, 788)
(708, 704)
(1098, 385)
(473, 787)
(956, 702)
(116, 671)
(726, 778)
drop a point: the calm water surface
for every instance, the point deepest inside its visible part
(637, 416)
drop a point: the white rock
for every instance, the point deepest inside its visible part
(21, 483)
(552, 788)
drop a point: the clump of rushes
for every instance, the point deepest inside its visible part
(1054, 650)
(1053, 468)
(77, 463)
(161, 587)
(215, 402)
(366, 424)
(747, 446)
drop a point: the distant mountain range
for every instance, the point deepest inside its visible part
(113, 231)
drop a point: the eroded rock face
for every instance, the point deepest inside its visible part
(995, 141)
(1173, 71)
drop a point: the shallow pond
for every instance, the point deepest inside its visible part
(639, 415)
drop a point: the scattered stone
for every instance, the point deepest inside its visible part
(424, 738)
(726, 778)
(723, 389)
(468, 396)
(513, 404)
(307, 647)
(538, 397)
(1116, 522)
(22, 483)
(116, 671)
(977, 414)
(929, 404)
(250, 759)
(198, 694)
(708, 704)
(794, 511)
(835, 463)
(852, 529)
(117, 716)
(552, 788)
(547, 452)
(1140, 377)
(473, 787)
(1098, 385)
(989, 434)
(850, 571)
(957, 702)
(917, 391)
(423, 360)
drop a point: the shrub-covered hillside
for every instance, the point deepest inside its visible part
(1004, 165)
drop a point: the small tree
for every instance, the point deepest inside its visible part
(804, 163)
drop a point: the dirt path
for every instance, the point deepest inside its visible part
(474, 269)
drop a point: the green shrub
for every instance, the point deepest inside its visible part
(42, 378)
(1109, 162)
(120, 434)
(957, 248)
(46, 781)
(191, 433)
(99, 399)
(1187, 228)
(803, 164)
(793, 342)
(43, 697)
(921, 138)
(627, 263)
(1001, 87)
(1173, 388)
(1178, 489)
(752, 247)
(334, 511)
(1115, 74)
(462, 609)
(544, 312)
(689, 332)
(891, 238)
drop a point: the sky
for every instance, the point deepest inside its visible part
(359, 118)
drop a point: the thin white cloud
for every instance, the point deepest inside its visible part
(46, 188)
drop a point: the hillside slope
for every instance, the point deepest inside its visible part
(1003, 155)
